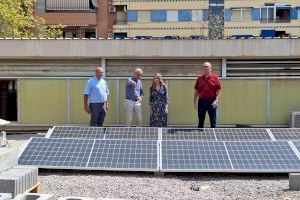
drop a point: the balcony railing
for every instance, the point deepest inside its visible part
(120, 22)
(272, 20)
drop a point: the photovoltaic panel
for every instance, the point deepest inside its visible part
(57, 153)
(77, 132)
(241, 134)
(132, 133)
(129, 155)
(194, 156)
(188, 134)
(94, 154)
(286, 133)
(262, 156)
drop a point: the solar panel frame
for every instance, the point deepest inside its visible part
(285, 133)
(242, 134)
(132, 133)
(76, 132)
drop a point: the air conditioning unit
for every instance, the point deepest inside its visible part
(295, 119)
(112, 9)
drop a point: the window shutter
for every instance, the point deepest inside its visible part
(294, 13)
(205, 15)
(131, 15)
(228, 14)
(255, 14)
(185, 15)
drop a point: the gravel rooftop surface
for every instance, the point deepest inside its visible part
(139, 185)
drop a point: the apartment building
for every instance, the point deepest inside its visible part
(82, 18)
(172, 18)
(268, 18)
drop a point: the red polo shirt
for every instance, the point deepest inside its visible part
(207, 87)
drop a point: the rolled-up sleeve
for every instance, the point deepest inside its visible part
(88, 88)
(128, 82)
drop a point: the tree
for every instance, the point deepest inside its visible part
(17, 19)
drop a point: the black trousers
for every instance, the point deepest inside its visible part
(204, 105)
(97, 114)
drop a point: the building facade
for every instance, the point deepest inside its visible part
(172, 18)
(81, 18)
(273, 18)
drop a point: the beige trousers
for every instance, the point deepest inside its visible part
(130, 107)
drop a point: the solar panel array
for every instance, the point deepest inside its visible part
(166, 149)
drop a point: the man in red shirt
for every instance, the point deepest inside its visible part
(207, 92)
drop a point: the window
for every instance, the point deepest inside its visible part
(298, 11)
(267, 14)
(90, 33)
(143, 16)
(277, 13)
(283, 14)
(197, 15)
(241, 14)
(172, 16)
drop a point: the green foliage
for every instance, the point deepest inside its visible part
(17, 19)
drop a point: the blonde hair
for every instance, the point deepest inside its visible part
(161, 81)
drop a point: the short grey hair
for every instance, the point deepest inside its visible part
(138, 70)
(207, 64)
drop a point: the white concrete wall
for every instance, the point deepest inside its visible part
(250, 48)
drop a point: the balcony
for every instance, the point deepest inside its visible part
(69, 18)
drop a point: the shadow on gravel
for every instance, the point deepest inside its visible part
(177, 176)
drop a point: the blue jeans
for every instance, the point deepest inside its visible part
(97, 114)
(204, 105)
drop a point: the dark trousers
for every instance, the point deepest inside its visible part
(204, 105)
(97, 114)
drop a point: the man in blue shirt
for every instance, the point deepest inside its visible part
(95, 98)
(134, 96)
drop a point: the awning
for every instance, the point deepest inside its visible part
(72, 25)
(57, 5)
